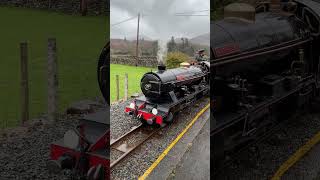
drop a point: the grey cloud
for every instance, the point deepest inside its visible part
(158, 20)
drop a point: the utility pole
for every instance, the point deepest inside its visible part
(137, 46)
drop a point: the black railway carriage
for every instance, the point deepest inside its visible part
(261, 71)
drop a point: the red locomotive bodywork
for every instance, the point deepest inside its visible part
(96, 155)
(143, 114)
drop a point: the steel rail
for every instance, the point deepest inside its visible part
(125, 135)
(130, 150)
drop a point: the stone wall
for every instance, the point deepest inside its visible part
(95, 7)
(147, 61)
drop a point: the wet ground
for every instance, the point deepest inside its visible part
(270, 154)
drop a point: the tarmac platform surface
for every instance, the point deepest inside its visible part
(307, 168)
(190, 157)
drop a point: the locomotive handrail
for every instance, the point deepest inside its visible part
(267, 50)
(307, 81)
(257, 50)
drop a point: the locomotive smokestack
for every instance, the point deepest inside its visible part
(161, 66)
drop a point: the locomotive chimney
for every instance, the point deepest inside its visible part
(161, 66)
(240, 11)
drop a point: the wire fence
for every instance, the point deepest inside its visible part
(33, 88)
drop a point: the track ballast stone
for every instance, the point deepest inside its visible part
(24, 152)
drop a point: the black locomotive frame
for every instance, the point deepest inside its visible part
(233, 130)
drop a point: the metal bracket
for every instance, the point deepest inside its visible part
(173, 96)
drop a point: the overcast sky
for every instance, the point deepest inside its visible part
(158, 19)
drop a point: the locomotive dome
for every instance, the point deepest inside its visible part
(240, 11)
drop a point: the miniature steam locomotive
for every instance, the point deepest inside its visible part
(262, 69)
(85, 149)
(166, 92)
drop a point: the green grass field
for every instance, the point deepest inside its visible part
(134, 77)
(79, 42)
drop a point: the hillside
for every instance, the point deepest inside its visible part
(128, 47)
(203, 39)
(149, 47)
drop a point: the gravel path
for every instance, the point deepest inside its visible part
(262, 164)
(142, 158)
(25, 151)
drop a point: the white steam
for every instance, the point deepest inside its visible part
(162, 51)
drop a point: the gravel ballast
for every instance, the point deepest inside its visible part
(138, 162)
(25, 151)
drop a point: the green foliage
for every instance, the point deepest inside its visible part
(184, 46)
(79, 44)
(175, 58)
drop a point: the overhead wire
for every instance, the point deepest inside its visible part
(193, 11)
(123, 21)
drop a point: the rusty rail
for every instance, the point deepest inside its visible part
(125, 154)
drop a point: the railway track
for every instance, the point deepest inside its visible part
(123, 146)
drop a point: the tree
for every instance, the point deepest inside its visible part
(172, 46)
(175, 58)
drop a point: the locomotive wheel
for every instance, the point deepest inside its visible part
(103, 72)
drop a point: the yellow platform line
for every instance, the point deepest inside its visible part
(296, 157)
(173, 143)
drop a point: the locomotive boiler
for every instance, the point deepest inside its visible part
(264, 66)
(157, 86)
(168, 91)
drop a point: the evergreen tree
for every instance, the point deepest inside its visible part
(172, 45)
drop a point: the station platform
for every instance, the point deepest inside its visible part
(190, 156)
(306, 168)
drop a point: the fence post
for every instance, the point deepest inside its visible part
(52, 80)
(24, 83)
(126, 87)
(117, 87)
